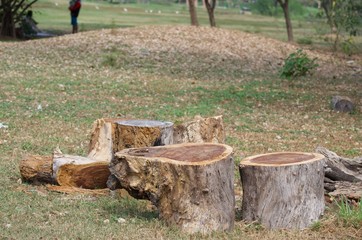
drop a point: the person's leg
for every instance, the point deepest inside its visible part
(74, 24)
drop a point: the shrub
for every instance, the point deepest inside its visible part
(298, 64)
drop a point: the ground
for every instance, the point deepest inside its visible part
(53, 89)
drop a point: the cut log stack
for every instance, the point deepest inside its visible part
(192, 185)
(343, 176)
(283, 190)
(92, 172)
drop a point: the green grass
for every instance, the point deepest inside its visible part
(350, 215)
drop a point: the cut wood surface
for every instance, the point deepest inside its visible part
(37, 169)
(192, 185)
(283, 190)
(77, 171)
(343, 176)
(200, 130)
(342, 104)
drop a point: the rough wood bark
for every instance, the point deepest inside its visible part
(190, 184)
(193, 14)
(200, 130)
(285, 6)
(342, 104)
(81, 172)
(37, 169)
(343, 176)
(283, 190)
(210, 7)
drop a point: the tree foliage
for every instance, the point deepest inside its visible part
(11, 13)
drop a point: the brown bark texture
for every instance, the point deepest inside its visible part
(283, 190)
(285, 6)
(193, 14)
(192, 185)
(200, 130)
(37, 169)
(210, 7)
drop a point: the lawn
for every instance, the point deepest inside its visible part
(53, 89)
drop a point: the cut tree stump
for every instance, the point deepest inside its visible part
(111, 135)
(342, 104)
(191, 184)
(283, 190)
(200, 130)
(343, 176)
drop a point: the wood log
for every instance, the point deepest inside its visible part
(37, 169)
(200, 130)
(191, 184)
(81, 172)
(283, 190)
(342, 104)
(343, 176)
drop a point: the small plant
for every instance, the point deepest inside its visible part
(350, 215)
(298, 64)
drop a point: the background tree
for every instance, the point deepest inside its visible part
(210, 7)
(11, 12)
(285, 6)
(193, 15)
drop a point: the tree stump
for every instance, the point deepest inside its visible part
(191, 184)
(200, 130)
(342, 104)
(111, 135)
(283, 190)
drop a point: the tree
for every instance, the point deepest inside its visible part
(193, 15)
(11, 12)
(210, 7)
(285, 6)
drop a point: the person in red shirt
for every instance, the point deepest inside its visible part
(74, 8)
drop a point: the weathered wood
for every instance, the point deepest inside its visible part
(111, 135)
(341, 169)
(342, 104)
(191, 184)
(81, 172)
(200, 130)
(37, 169)
(283, 190)
(343, 176)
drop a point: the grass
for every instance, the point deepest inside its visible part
(77, 79)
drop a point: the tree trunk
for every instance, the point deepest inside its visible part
(192, 185)
(200, 130)
(7, 23)
(342, 104)
(288, 23)
(210, 10)
(37, 169)
(193, 14)
(283, 190)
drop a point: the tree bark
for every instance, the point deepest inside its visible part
(191, 184)
(283, 190)
(288, 22)
(343, 176)
(193, 14)
(200, 130)
(342, 104)
(37, 169)
(210, 7)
